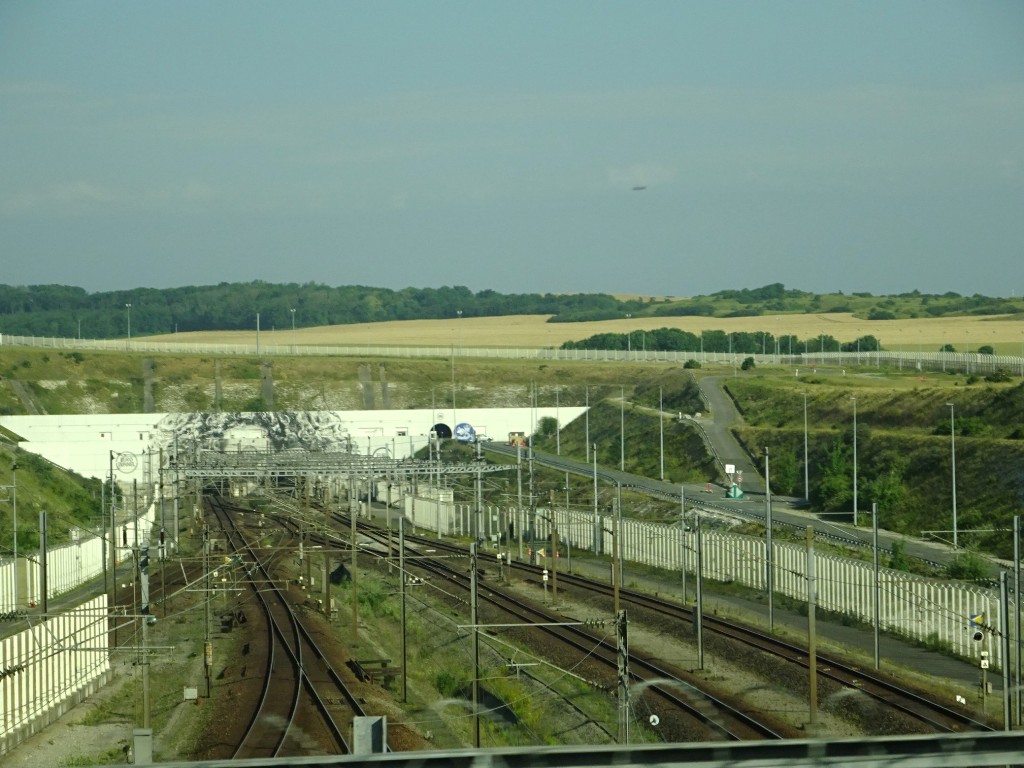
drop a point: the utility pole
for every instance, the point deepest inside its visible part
(325, 589)
(519, 503)
(623, 675)
(144, 653)
(478, 495)
(103, 541)
(618, 512)
(682, 537)
(14, 531)
(568, 522)
(474, 619)
(207, 644)
(597, 519)
(387, 514)
(615, 564)
(698, 614)
(812, 654)
(769, 569)
(1004, 620)
(401, 589)
(113, 547)
(554, 557)
(1016, 613)
(353, 491)
(877, 601)
(44, 586)
(533, 497)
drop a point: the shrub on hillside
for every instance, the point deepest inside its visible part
(967, 566)
(999, 375)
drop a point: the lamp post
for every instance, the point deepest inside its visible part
(455, 422)
(14, 527)
(622, 429)
(128, 307)
(854, 461)
(807, 484)
(586, 422)
(952, 446)
(661, 431)
(293, 329)
(558, 425)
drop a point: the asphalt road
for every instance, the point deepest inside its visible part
(785, 511)
(719, 433)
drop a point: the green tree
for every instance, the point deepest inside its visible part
(835, 490)
(785, 471)
(898, 559)
(888, 489)
(547, 427)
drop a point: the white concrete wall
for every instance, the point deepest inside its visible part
(49, 668)
(86, 443)
(909, 605)
(68, 566)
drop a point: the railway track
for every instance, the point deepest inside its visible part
(932, 715)
(935, 715)
(666, 690)
(302, 698)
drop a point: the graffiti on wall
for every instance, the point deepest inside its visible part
(258, 431)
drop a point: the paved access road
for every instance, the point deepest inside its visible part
(785, 511)
(719, 433)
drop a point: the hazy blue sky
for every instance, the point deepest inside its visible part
(856, 146)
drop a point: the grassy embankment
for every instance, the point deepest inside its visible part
(904, 457)
(70, 501)
(904, 450)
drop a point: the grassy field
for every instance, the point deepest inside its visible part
(1004, 333)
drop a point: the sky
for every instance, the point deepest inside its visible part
(666, 148)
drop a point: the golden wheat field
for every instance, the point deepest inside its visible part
(1005, 334)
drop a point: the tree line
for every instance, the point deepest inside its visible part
(741, 342)
(66, 311)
